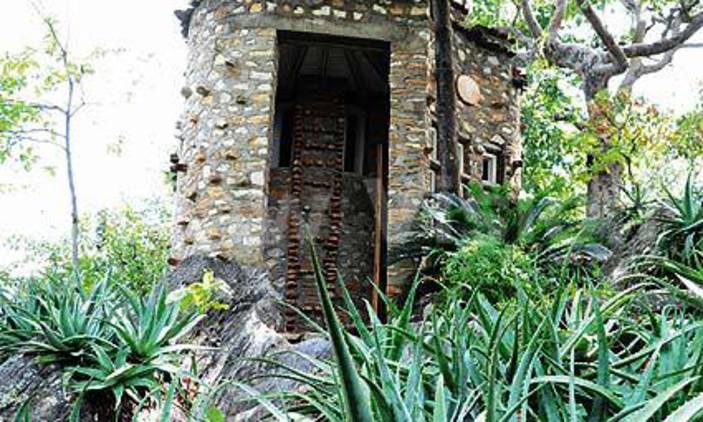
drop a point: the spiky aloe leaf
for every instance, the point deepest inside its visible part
(687, 411)
(655, 404)
(354, 390)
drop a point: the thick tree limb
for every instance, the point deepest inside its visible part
(605, 36)
(638, 68)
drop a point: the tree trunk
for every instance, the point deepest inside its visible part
(71, 180)
(449, 175)
(605, 185)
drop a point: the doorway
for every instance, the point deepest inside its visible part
(329, 165)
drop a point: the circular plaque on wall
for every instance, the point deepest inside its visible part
(468, 90)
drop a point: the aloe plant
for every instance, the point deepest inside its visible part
(682, 238)
(149, 326)
(106, 340)
(56, 322)
(582, 357)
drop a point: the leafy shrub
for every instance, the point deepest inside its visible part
(541, 227)
(131, 244)
(491, 266)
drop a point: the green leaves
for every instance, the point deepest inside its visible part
(148, 325)
(682, 238)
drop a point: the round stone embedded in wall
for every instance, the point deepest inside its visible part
(468, 90)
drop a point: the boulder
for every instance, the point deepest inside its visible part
(245, 330)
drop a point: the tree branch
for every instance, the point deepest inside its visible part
(532, 23)
(557, 18)
(38, 106)
(24, 138)
(638, 68)
(33, 130)
(662, 46)
(613, 48)
(640, 25)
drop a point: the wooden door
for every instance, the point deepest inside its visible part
(316, 184)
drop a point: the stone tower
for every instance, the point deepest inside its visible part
(317, 116)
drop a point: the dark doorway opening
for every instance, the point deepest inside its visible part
(329, 157)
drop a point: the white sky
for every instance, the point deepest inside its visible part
(138, 93)
(138, 98)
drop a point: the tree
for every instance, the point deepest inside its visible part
(130, 244)
(25, 123)
(446, 99)
(555, 33)
(652, 145)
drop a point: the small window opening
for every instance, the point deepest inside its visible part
(490, 169)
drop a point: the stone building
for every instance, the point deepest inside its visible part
(317, 116)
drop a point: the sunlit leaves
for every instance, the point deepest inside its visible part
(15, 75)
(550, 117)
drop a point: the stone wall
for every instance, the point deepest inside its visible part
(493, 124)
(230, 90)
(224, 205)
(225, 134)
(355, 255)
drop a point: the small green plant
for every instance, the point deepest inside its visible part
(204, 295)
(144, 354)
(148, 326)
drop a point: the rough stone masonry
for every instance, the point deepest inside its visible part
(232, 203)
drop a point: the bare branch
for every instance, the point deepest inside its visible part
(30, 139)
(639, 24)
(78, 107)
(45, 131)
(638, 68)
(662, 46)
